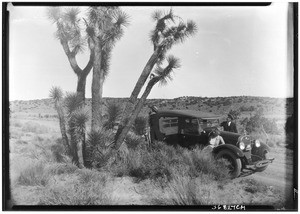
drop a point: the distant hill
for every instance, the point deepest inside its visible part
(247, 105)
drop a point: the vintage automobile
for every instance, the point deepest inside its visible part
(189, 128)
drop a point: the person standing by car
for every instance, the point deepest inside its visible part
(229, 125)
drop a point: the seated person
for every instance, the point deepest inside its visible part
(214, 138)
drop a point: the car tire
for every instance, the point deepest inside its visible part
(235, 164)
(265, 156)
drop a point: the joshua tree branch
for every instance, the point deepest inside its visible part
(71, 57)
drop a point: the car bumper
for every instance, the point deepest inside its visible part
(259, 164)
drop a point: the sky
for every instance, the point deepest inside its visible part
(237, 51)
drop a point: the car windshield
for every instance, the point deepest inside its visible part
(204, 123)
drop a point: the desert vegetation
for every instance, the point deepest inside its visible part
(42, 172)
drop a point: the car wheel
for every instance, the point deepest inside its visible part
(234, 163)
(265, 156)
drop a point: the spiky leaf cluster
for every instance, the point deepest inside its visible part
(106, 24)
(164, 75)
(68, 26)
(169, 30)
(56, 93)
(113, 113)
(98, 146)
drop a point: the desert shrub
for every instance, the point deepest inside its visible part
(203, 162)
(88, 175)
(247, 108)
(253, 186)
(184, 190)
(139, 125)
(35, 128)
(256, 122)
(76, 193)
(16, 124)
(33, 175)
(62, 168)
(235, 113)
(159, 162)
(142, 163)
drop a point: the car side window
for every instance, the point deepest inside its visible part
(168, 125)
(190, 126)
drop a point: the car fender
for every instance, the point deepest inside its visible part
(229, 147)
(260, 150)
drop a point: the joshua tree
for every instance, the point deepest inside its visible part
(57, 95)
(69, 33)
(72, 123)
(161, 75)
(163, 37)
(104, 29)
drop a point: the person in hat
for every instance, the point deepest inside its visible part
(229, 125)
(214, 138)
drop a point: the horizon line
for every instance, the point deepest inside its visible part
(167, 98)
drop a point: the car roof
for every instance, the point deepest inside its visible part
(188, 113)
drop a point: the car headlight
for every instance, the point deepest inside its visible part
(257, 143)
(242, 145)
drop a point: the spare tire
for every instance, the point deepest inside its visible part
(234, 162)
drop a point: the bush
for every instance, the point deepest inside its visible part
(253, 186)
(87, 175)
(184, 190)
(33, 175)
(76, 193)
(255, 123)
(159, 161)
(62, 168)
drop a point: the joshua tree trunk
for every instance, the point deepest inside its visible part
(81, 83)
(62, 124)
(141, 81)
(135, 113)
(97, 82)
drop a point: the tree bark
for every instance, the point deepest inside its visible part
(96, 87)
(81, 83)
(135, 113)
(62, 125)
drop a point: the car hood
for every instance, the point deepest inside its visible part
(230, 137)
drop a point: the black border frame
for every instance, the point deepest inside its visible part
(6, 198)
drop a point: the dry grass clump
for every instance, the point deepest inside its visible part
(253, 186)
(88, 175)
(85, 187)
(76, 192)
(61, 168)
(33, 175)
(184, 190)
(159, 161)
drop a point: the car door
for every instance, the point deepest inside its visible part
(189, 132)
(168, 126)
